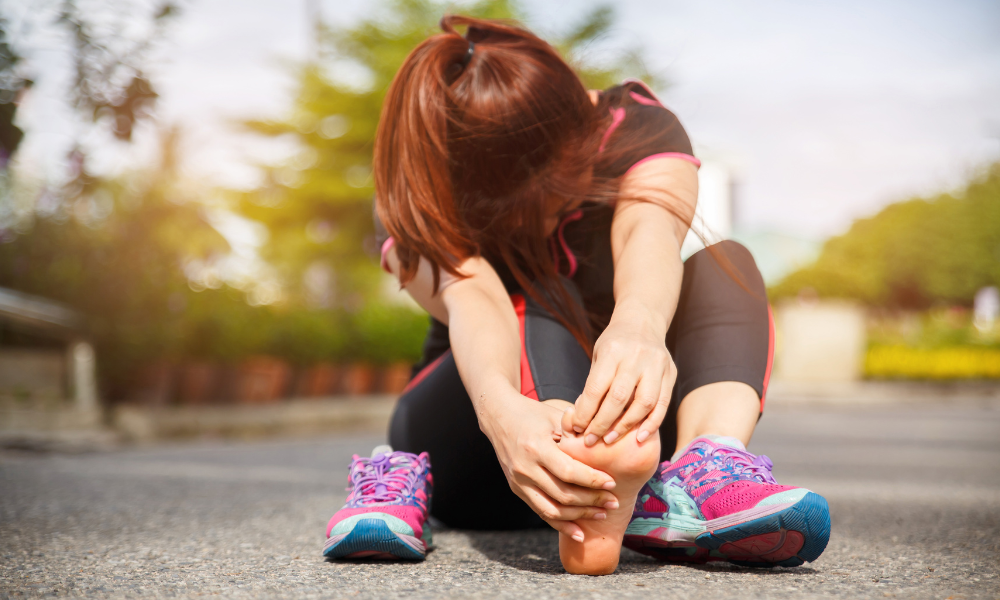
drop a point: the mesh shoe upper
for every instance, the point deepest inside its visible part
(723, 479)
(398, 484)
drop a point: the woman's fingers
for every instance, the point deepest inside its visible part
(567, 419)
(611, 409)
(652, 423)
(567, 527)
(566, 469)
(647, 394)
(574, 495)
(550, 510)
(602, 373)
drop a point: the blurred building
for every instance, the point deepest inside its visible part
(713, 218)
(47, 369)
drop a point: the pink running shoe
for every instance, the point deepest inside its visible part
(719, 502)
(386, 511)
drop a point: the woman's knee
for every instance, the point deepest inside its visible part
(728, 262)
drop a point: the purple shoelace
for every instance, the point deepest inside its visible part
(384, 478)
(743, 462)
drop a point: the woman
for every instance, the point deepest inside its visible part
(540, 225)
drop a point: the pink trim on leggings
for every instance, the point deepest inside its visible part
(425, 372)
(527, 381)
(770, 355)
(386, 246)
(694, 161)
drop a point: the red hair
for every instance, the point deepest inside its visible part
(472, 155)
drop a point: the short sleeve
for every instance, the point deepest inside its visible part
(640, 128)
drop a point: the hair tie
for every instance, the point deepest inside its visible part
(468, 55)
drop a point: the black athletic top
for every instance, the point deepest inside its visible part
(581, 244)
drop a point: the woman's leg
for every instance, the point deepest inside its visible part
(435, 414)
(721, 340)
(716, 499)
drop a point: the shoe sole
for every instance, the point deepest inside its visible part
(372, 539)
(672, 552)
(787, 538)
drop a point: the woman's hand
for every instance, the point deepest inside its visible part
(559, 488)
(631, 379)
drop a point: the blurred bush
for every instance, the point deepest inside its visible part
(907, 362)
(914, 254)
(139, 256)
(317, 205)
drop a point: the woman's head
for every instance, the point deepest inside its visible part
(475, 152)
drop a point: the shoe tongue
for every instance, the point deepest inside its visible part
(723, 440)
(381, 449)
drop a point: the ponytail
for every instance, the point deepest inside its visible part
(482, 138)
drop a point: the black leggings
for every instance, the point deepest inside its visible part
(720, 332)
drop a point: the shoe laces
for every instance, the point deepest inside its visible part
(384, 478)
(746, 465)
(731, 463)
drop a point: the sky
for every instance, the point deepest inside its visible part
(823, 111)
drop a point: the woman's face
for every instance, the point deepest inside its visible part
(558, 207)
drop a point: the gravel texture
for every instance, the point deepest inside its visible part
(914, 492)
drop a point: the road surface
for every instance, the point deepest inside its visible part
(914, 493)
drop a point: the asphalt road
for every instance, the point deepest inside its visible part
(914, 492)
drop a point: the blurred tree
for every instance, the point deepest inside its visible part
(12, 83)
(109, 83)
(913, 254)
(118, 254)
(317, 206)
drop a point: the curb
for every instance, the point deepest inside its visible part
(294, 417)
(883, 393)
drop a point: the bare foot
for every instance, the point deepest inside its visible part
(631, 464)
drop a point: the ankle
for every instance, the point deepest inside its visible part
(716, 438)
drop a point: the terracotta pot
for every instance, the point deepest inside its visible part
(153, 384)
(198, 383)
(262, 380)
(318, 380)
(358, 379)
(394, 377)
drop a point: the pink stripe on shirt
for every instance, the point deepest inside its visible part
(617, 116)
(694, 161)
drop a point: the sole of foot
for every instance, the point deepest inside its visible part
(631, 464)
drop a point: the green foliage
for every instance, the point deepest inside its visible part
(117, 255)
(109, 84)
(913, 254)
(129, 253)
(317, 206)
(387, 334)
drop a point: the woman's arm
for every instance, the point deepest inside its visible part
(633, 374)
(486, 343)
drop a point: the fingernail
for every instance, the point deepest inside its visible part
(611, 437)
(578, 536)
(590, 440)
(609, 485)
(611, 505)
(600, 516)
(578, 429)
(641, 436)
